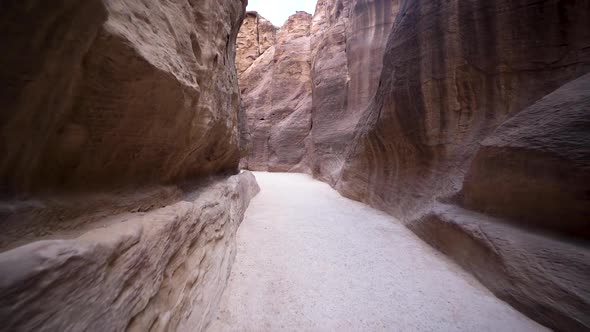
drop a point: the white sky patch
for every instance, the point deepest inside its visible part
(278, 11)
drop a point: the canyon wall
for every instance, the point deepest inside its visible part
(348, 43)
(443, 93)
(158, 270)
(462, 119)
(449, 146)
(256, 35)
(111, 93)
(276, 98)
(118, 133)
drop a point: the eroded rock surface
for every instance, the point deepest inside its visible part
(118, 131)
(256, 35)
(453, 71)
(348, 43)
(112, 93)
(404, 94)
(535, 167)
(456, 74)
(163, 270)
(276, 96)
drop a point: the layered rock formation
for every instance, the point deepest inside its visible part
(162, 270)
(256, 35)
(533, 171)
(347, 40)
(276, 97)
(453, 71)
(109, 93)
(348, 43)
(423, 109)
(119, 121)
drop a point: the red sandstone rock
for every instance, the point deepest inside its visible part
(276, 93)
(116, 93)
(256, 35)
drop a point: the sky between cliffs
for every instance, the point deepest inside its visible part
(278, 11)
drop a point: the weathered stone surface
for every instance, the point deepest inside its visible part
(453, 71)
(276, 95)
(163, 270)
(112, 93)
(542, 276)
(535, 168)
(348, 42)
(256, 35)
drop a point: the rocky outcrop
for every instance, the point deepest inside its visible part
(256, 35)
(108, 93)
(348, 43)
(162, 270)
(276, 96)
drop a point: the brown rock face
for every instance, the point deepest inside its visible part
(441, 93)
(118, 119)
(458, 73)
(163, 270)
(535, 167)
(420, 102)
(348, 43)
(276, 96)
(112, 93)
(256, 35)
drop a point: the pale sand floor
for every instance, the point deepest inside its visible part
(311, 260)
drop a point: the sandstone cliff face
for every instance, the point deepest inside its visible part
(162, 270)
(112, 93)
(535, 167)
(533, 170)
(348, 43)
(119, 120)
(442, 93)
(256, 35)
(459, 73)
(276, 96)
(347, 40)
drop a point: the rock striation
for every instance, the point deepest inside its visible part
(161, 270)
(276, 98)
(118, 136)
(110, 93)
(468, 120)
(458, 74)
(256, 35)
(453, 72)
(348, 44)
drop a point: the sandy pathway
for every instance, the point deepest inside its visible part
(311, 260)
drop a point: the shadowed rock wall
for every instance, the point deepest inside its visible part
(112, 93)
(118, 127)
(276, 99)
(453, 71)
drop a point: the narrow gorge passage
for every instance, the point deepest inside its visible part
(310, 259)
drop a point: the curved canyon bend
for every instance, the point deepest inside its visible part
(311, 260)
